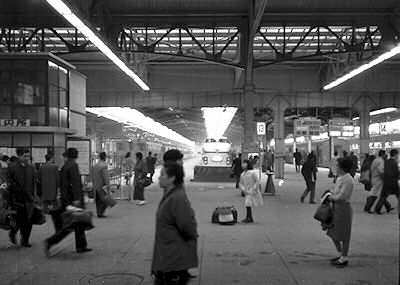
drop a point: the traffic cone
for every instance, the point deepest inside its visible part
(270, 187)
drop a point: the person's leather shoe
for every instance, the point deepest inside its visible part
(26, 245)
(248, 221)
(302, 199)
(83, 250)
(340, 264)
(101, 216)
(312, 202)
(333, 260)
(389, 210)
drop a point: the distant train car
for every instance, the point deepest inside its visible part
(216, 152)
(321, 149)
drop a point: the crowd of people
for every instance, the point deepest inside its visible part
(60, 190)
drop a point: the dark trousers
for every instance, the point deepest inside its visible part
(151, 175)
(57, 221)
(138, 193)
(100, 205)
(383, 202)
(298, 166)
(237, 177)
(80, 238)
(23, 224)
(172, 278)
(310, 189)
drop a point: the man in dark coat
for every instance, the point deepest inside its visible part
(49, 178)
(175, 244)
(390, 181)
(310, 176)
(21, 177)
(297, 159)
(71, 195)
(237, 168)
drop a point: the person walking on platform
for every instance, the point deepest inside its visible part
(342, 212)
(366, 169)
(310, 176)
(140, 172)
(21, 176)
(150, 162)
(173, 155)
(333, 166)
(390, 182)
(250, 186)
(297, 160)
(237, 169)
(101, 184)
(377, 172)
(49, 178)
(175, 244)
(71, 195)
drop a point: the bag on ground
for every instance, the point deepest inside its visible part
(226, 215)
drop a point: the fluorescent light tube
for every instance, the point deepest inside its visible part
(66, 12)
(364, 67)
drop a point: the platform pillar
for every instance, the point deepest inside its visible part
(364, 132)
(279, 136)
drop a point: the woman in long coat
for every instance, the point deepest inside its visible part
(140, 172)
(250, 186)
(342, 212)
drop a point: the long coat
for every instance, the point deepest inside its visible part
(140, 170)
(175, 245)
(50, 180)
(99, 176)
(22, 186)
(250, 185)
(391, 178)
(71, 184)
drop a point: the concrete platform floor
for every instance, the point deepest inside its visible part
(285, 245)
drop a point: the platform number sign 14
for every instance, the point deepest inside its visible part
(260, 128)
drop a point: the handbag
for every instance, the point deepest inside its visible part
(323, 213)
(71, 218)
(144, 181)
(364, 177)
(38, 217)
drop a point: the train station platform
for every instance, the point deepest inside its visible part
(285, 245)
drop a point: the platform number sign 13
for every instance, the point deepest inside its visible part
(260, 128)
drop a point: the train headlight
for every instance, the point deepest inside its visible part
(228, 161)
(205, 159)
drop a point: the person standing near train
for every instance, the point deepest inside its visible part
(140, 172)
(309, 171)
